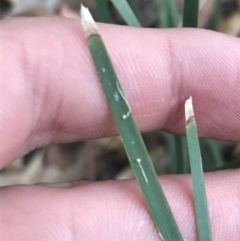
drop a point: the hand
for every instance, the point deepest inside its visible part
(50, 93)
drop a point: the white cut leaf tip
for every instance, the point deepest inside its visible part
(88, 23)
(189, 108)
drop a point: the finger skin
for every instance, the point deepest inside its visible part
(50, 91)
(115, 210)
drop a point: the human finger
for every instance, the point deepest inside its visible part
(50, 91)
(115, 210)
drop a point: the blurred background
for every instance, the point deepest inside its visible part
(105, 158)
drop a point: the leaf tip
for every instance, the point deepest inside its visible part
(88, 23)
(189, 114)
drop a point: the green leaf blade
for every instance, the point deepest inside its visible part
(168, 14)
(103, 11)
(200, 196)
(126, 12)
(134, 144)
(215, 19)
(132, 140)
(190, 13)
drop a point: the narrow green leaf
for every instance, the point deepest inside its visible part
(132, 140)
(126, 12)
(211, 151)
(215, 19)
(103, 11)
(216, 154)
(181, 158)
(200, 197)
(190, 13)
(168, 13)
(176, 147)
(230, 165)
(135, 6)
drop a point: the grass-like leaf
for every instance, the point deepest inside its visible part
(190, 13)
(135, 6)
(181, 163)
(200, 198)
(190, 19)
(215, 19)
(216, 154)
(211, 150)
(168, 13)
(230, 165)
(126, 12)
(103, 11)
(132, 140)
(176, 148)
